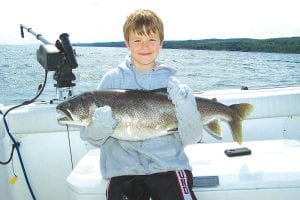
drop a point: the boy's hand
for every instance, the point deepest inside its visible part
(189, 119)
(103, 116)
(101, 127)
(177, 91)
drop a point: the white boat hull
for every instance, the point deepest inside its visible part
(46, 153)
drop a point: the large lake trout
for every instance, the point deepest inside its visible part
(142, 114)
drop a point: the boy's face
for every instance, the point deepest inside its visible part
(144, 50)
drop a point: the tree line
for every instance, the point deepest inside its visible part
(278, 45)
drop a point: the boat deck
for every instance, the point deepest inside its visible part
(271, 171)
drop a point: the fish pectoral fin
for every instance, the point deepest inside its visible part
(172, 129)
(214, 128)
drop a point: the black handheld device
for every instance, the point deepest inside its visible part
(242, 151)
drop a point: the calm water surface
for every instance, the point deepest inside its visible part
(20, 73)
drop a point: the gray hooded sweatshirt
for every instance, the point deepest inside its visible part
(161, 154)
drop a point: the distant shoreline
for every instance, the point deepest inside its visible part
(272, 45)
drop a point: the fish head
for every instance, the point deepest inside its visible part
(77, 110)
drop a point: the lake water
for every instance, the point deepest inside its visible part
(20, 73)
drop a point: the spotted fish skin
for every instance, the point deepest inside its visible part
(144, 114)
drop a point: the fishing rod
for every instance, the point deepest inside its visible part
(58, 57)
(38, 36)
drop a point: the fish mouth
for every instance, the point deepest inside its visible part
(65, 116)
(67, 119)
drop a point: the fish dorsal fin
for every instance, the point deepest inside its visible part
(163, 90)
(214, 99)
(214, 128)
(158, 90)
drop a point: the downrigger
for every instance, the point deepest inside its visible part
(58, 57)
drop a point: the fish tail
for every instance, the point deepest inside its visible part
(242, 109)
(236, 128)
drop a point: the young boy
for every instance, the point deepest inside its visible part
(156, 168)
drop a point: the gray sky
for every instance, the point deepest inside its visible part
(102, 21)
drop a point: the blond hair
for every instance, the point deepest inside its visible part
(143, 22)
